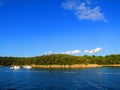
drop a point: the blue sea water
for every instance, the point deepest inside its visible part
(105, 78)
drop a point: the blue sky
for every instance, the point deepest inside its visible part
(79, 27)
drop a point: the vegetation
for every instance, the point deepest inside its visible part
(61, 59)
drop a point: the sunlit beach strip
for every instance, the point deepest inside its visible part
(116, 65)
(68, 66)
(77, 66)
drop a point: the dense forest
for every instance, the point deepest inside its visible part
(61, 59)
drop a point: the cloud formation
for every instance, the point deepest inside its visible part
(72, 52)
(49, 53)
(84, 10)
(77, 51)
(93, 51)
(66, 52)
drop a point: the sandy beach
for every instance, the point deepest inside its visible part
(67, 66)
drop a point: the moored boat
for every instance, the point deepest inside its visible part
(27, 67)
(15, 67)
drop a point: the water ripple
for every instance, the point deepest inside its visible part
(70, 79)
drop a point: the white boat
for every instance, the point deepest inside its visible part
(27, 67)
(15, 67)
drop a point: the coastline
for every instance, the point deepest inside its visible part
(68, 66)
(75, 66)
(112, 65)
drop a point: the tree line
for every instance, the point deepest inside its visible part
(60, 59)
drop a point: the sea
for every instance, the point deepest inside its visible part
(103, 78)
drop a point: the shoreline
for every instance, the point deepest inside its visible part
(112, 65)
(68, 66)
(75, 66)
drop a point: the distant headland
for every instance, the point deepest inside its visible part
(62, 61)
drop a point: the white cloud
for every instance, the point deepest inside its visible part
(49, 53)
(66, 52)
(73, 52)
(86, 51)
(93, 51)
(83, 10)
(97, 50)
(77, 51)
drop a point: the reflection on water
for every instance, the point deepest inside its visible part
(104, 78)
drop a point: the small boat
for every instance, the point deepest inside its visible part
(27, 67)
(15, 67)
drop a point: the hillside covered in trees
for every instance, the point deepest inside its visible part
(61, 59)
